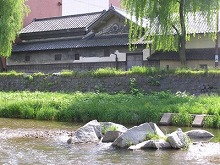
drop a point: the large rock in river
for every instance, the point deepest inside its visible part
(178, 139)
(133, 136)
(110, 125)
(110, 136)
(157, 130)
(90, 132)
(155, 144)
(111, 131)
(196, 134)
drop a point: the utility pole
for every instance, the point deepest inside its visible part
(216, 41)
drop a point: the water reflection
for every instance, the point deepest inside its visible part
(55, 150)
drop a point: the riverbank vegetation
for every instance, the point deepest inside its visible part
(138, 70)
(120, 108)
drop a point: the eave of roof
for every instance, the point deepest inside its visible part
(191, 54)
(96, 41)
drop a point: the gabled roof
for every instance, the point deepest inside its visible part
(62, 23)
(119, 12)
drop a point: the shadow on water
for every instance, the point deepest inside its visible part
(55, 150)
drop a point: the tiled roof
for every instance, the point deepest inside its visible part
(120, 12)
(196, 23)
(97, 41)
(191, 54)
(62, 23)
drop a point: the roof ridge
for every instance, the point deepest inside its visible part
(67, 16)
(117, 8)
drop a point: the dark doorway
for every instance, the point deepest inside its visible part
(134, 59)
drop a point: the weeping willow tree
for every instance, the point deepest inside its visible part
(12, 13)
(165, 22)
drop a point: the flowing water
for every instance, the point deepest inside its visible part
(40, 142)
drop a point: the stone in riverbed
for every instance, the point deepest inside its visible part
(146, 144)
(110, 136)
(177, 139)
(195, 134)
(133, 136)
(89, 133)
(157, 130)
(109, 125)
(154, 144)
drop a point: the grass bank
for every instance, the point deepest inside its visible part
(120, 108)
(136, 70)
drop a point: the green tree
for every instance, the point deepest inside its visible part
(165, 21)
(12, 13)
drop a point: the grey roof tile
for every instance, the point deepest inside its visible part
(96, 41)
(62, 23)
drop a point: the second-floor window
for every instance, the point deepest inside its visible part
(77, 56)
(27, 58)
(58, 57)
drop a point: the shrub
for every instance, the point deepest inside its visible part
(47, 113)
(67, 73)
(182, 119)
(153, 136)
(133, 87)
(38, 74)
(11, 73)
(110, 128)
(106, 72)
(209, 122)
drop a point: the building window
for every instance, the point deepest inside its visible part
(27, 58)
(76, 56)
(203, 66)
(58, 57)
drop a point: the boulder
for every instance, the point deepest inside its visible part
(110, 136)
(160, 144)
(155, 144)
(133, 136)
(177, 139)
(157, 130)
(90, 132)
(144, 144)
(196, 134)
(109, 125)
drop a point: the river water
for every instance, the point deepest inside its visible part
(42, 142)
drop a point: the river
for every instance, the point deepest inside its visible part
(44, 142)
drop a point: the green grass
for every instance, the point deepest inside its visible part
(11, 73)
(119, 108)
(110, 128)
(136, 70)
(67, 73)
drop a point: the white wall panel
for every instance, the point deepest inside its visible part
(71, 7)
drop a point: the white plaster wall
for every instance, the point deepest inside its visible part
(121, 56)
(96, 59)
(71, 7)
(201, 41)
(146, 54)
(190, 64)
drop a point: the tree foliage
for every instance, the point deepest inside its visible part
(165, 22)
(12, 13)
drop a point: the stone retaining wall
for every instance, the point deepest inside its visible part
(192, 84)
